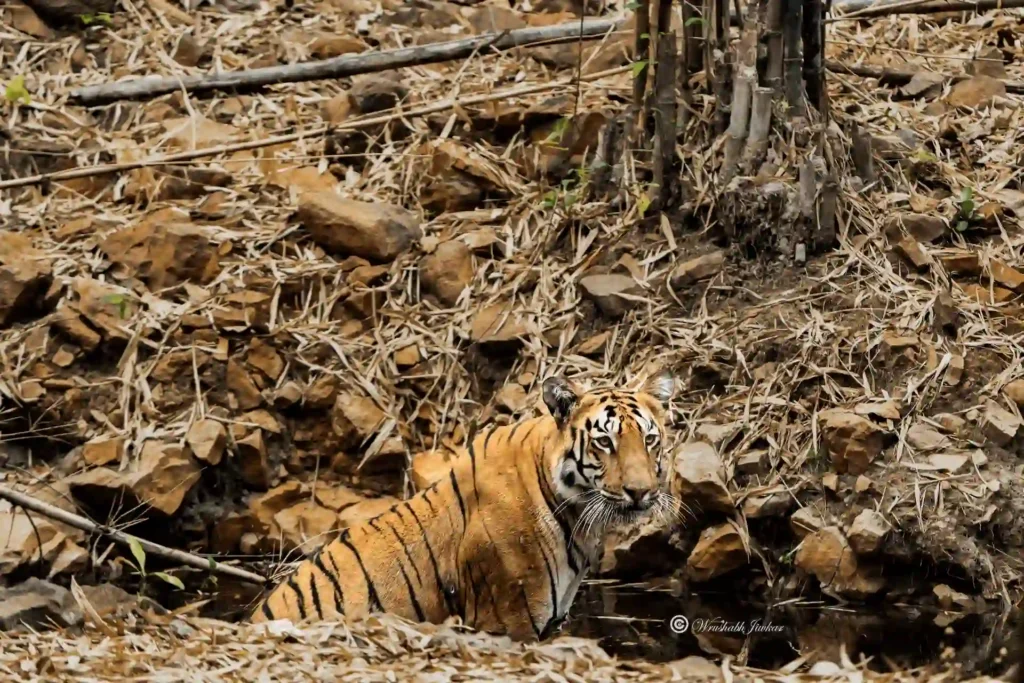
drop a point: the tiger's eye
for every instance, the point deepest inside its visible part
(651, 440)
(604, 442)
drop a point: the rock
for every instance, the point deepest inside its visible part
(638, 551)
(37, 605)
(868, 532)
(923, 227)
(1006, 276)
(188, 51)
(207, 439)
(827, 555)
(264, 358)
(923, 83)
(354, 418)
(952, 424)
(163, 254)
(611, 292)
(998, 424)
(806, 520)
(1015, 392)
(512, 397)
(103, 451)
(946, 314)
(262, 419)
(497, 323)
(253, 461)
(976, 92)
(331, 45)
(366, 509)
(852, 441)
(375, 231)
(27, 539)
(322, 392)
(24, 19)
(377, 92)
(263, 507)
(696, 269)
(447, 271)
(287, 396)
(753, 463)
(774, 505)
(955, 371)
(961, 263)
(924, 437)
(407, 356)
(161, 478)
(699, 476)
(429, 467)
(338, 109)
(886, 410)
(987, 295)
(70, 323)
(988, 62)
(910, 250)
(241, 385)
(949, 598)
(25, 276)
(719, 550)
(306, 526)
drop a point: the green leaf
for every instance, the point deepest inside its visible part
(694, 20)
(633, 5)
(643, 204)
(138, 552)
(926, 156)
(16, 91)
(646, 36)
(962, 226)
(173, 580)
(638, 67)
(966, 202)
(213, 564)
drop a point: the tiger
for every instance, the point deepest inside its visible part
(504, 539)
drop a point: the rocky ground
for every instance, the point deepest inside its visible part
(239, 355)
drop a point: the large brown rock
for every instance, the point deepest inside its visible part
(164, 254)
(354, 418)
(828, 556)
(375, 231)
(447, 271)
(700, 477)
(719, 550)
(852, 441)
(24, 276)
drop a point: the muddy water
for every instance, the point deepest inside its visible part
(640, 621)
(645, 621)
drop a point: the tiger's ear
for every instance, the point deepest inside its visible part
(559, 398)
(661, 386)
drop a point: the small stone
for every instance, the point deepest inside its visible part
(375, 231)
(998, 424)
(755, 462)
(35, 604)
(886, 410)
(407, 356)
(697, 269)
(1006, 276)
(24, 19)
(163, 251)
(244, 389)
(64, 357)
(830, 482)
(806, 520)
(863, 484)
(924, 437)
(954, 371)
(338, 109)
(448, 271)
(264, 358)
(103, 451)
(961, 263)
(611, 292)
(913, 253)
(253, 461)
(853, 441)
(719, 550)
(774, 505)
(287, 396)
(976, 92)
(322, 392)
(699, 475)
(1015, 392)
(952, 424)
(188, 52)
(988, 62)
(923, 227)
(25, 276)
(498, 323)
(331, 45)
(868, 532)
(376, 92)
(207, 439)
(355, 418)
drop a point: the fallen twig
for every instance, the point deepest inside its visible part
(898, 77)
(71, 519)
(345, 65)
(860, 9)
(356, 124)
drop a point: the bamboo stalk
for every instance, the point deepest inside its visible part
(346, 65)
(794, 86)
(863, 158)
(716, 60)
(641, 54)
(760, 126)
(811, 34)
(71, 519)
(742, 96)
(774, 46)
(665, 114)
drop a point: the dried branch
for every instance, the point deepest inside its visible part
(346, 65)
(29, 503)
(896, 77)
(317, 131)
(861, 9)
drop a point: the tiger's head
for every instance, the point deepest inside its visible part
(613, 462)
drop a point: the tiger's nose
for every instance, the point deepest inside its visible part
(639, 497)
